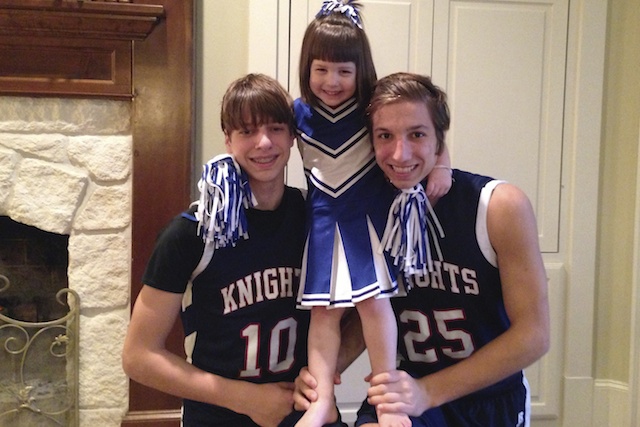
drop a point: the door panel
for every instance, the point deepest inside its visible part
(503, 66)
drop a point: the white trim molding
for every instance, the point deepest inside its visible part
(581, 160)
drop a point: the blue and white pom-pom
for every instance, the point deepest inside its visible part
(328, 6)
(410, 222)
(224, 194)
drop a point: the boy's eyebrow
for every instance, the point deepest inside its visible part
(410, 128)
(267, 122)
(379, 128)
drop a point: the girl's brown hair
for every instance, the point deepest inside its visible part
(336, 38)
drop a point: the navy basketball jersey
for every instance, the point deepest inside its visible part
(457, 308)
(239, 313)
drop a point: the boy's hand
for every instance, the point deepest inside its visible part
(397, 392)
(273, 402)
(305, 393)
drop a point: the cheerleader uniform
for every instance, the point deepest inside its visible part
(347, 206)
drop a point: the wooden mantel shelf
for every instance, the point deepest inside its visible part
(72, 18)
(71, 47)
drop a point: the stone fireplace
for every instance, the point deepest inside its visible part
(66, 168)
(74, 120)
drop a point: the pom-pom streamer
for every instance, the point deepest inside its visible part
(328, 6)
(224, 194)
(410, 222)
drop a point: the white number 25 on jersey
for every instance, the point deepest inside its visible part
(463, 343)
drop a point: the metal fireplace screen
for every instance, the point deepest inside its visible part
(39, 367)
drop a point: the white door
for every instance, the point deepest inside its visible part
(503, 66)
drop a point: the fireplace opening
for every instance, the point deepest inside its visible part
(39, 329)
(35, 262)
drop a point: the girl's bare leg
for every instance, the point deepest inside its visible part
(381, 335)
(324, 344)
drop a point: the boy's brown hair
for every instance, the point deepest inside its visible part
(410, 87)
(254, 100)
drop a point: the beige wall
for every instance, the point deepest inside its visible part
(222, 43)
(619, 162)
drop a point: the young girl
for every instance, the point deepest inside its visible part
(347, 204)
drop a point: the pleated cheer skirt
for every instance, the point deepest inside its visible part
(343, 263)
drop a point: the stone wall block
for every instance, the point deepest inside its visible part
(62, 115)
(101, 417)
(108, 158)
(66, 167)
(106, 208)
(46, 195)
(52, 147)
(103, 383)
(8, 162)
(99, 269)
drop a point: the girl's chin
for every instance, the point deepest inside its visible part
(332, 101)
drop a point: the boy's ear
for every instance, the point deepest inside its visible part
(227, 141)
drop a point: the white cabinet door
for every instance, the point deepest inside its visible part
(399, 32)
(503, 66)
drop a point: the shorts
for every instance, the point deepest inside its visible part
(509, 407)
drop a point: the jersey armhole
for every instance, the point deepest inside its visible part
(207, 254)
(482, 232)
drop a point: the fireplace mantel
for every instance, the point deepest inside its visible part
(71, 47)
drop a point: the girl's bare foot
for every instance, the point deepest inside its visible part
(319, 414)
